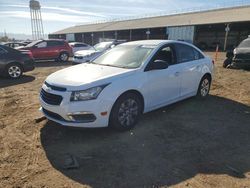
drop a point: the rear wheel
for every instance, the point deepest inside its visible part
(126, 112)
(14, 71)
(204, 87)
(63, 57)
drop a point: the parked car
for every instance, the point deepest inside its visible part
(240, 56)
(15, 44)
(50, 49)
(13, 62)
(130, 79)
(77, 46)
(84, 56)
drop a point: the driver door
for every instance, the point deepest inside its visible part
(163, 85)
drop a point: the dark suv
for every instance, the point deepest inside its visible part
(240, 56)
(50, 49)
(13, 62)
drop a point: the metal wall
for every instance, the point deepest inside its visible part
(207, 37)
(184, 33)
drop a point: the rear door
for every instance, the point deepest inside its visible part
(54, 48)
(190, 62)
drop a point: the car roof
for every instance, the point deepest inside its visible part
(153, 42)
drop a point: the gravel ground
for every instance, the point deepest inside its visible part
(191, 143)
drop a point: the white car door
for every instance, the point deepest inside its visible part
(163, 85)
(190, 61)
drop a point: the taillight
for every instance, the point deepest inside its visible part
(213, 62)
(30, 54)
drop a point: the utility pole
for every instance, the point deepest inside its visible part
(227, 29)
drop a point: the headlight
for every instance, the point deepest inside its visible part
(234, 51)
(88, 94)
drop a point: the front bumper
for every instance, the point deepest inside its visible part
(76, 61)
(94, 110)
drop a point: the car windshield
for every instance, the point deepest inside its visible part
(125, 56)
(102, 46)
(245, 44)
(32, 43)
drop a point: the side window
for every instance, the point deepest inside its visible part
(54, 43)
(41, 45)
(187, 53)
(198, 55)
(165, 54)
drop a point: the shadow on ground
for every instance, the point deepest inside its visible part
(167, 147)
(6, 82)
(52, 63)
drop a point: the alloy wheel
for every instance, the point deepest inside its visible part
(14, 71)
(204, 87)
(128, 112)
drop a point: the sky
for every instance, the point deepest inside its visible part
(59, 14)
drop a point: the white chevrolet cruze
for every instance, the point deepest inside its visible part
(125, 82)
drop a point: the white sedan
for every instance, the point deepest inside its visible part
(77, 46)
(125, 82)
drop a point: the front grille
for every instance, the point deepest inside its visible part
(56, 88)
(242, 56)
(78, 57)
(84, 118)
(53, 115)
(50, 98)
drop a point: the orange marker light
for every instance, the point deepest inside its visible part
(104, 113)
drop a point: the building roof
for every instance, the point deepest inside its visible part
(227, 15)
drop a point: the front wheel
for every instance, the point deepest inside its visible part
(14, 71)
(204, 87)
(63, 57)
(126, 112)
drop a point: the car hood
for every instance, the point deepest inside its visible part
(83, 76)
(85, 52)
(242, 50)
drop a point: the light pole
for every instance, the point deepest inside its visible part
(92, 38)
(227, 29)
(148, 33)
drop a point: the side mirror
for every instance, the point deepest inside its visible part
(157, 65)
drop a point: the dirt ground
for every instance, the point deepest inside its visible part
(192, 143)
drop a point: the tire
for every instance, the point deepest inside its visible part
(226, 63)
(126, 112)
(63, 57)
(14, 70)
(204, 87)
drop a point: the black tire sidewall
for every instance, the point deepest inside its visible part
(227, 62)
(113, 120)
(10, 65)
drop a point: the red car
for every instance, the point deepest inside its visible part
(49, 49)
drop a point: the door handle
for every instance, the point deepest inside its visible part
(177, 73)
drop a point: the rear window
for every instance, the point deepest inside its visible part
(187, 53)
(80, 45)
(55, 43)
(2, 51)
(245, 44)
